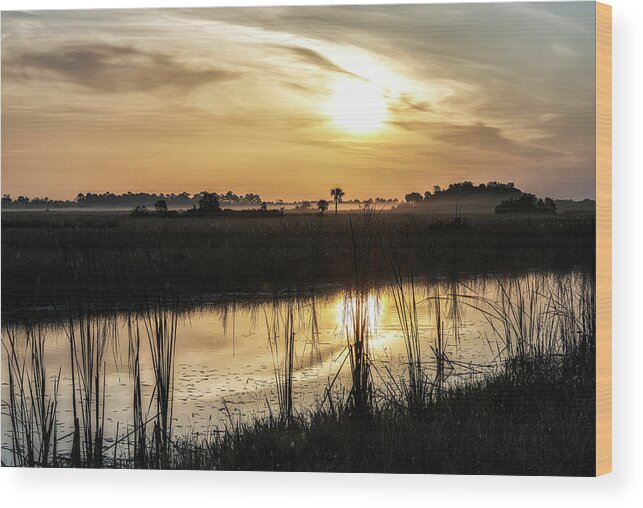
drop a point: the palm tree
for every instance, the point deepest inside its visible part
(337, 195)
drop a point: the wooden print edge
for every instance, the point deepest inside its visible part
(603, 239)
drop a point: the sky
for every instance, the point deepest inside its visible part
(288, 102)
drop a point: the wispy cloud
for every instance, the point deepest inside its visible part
(229, 95)
(477, 138)
(113, 68)
(314, 58)
(405, 103)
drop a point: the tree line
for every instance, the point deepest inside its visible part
(173, 200)
(460, 189)
(527, 203)
(129, 199)
(510, 199)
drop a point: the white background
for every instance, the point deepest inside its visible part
(624, 487)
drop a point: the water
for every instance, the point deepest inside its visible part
(225, 366)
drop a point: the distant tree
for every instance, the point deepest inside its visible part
(322, 204)
(209, 202)
(549, 203)
(139, 211)
(264, 207)
(499, 186)
(160, 205)
(6, 199)
(251, 199)
(231, 198)
(305, 205)
(527, 203)
(338, 195)
(468, 188)
(460, 187)
(413, 197)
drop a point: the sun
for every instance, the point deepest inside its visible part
(357, 106)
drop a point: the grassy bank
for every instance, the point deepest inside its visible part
(47, 255)
(532, 419)
(536, 418)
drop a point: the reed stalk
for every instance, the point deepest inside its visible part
(32, 405)
(281, 338)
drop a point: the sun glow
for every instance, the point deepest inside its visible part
(357, 106)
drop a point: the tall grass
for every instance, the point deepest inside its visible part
(416, 389)
(160, 319)
(439, 348)
(280, 328)
(239, 255)
(540, 320)
(90, 333)
(89, 336)
(545, 325)
(533, 413)
(139, 433)
(357, 329)
(358, 307)
(33, 399)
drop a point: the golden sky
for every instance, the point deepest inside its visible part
(291, 101)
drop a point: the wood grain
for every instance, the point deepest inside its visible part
(603, 238)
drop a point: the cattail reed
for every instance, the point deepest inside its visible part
(416, 389)
(160, 320)
(134, 362)
(32, 404)
(281, 338)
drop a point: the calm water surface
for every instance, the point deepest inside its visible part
(225, 366)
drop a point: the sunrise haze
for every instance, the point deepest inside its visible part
(290, 101)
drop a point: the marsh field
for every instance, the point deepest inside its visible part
(367, 341)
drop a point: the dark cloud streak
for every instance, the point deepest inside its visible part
(112, 68)
(478, 138)
(317, 59)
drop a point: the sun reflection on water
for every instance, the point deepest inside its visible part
(348, 310)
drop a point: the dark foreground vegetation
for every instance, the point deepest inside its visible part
(533, 414)
(530, 412)
(46, 255)
(533, 418)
